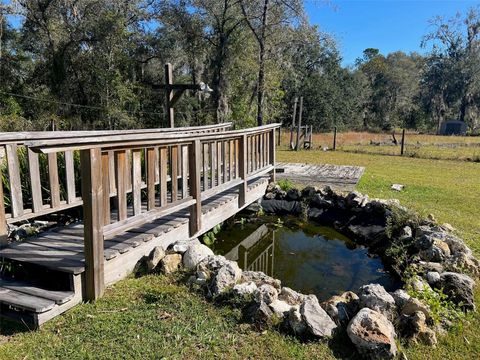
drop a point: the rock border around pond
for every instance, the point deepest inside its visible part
(434, 264)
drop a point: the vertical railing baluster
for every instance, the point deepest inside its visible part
(213, 159)
(53, 180)
(184, 172)
(151, 162)
(105, 187)
(137, 181)
(70, 176)
(35, 185)
(174, 172)
(16, 197)
(3, 220)
(163, 176)
(121, 183)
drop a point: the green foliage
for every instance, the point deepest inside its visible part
(441, 308)
(209, 238)
(285, 184)
(398, 218)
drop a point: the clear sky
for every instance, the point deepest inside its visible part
(388, 25)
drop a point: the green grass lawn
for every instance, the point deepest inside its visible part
(158, 317)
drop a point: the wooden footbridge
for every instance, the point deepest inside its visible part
(136, 189)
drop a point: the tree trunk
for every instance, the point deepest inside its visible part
(261, 70)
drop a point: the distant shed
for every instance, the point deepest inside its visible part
(453, 127)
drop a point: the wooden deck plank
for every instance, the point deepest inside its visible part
(59, 297)
(27, 302)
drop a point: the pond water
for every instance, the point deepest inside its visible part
(308, 258)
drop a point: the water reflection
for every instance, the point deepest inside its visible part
(306, 257)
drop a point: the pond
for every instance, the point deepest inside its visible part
(308, 258)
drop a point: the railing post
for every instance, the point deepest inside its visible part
(3, 221)
(242, 167)
(92, 194)
(194, 163)
(271, 151)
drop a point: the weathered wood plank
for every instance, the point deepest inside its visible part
(163, 176)
(174, 172)
(35, 185)
(195, 152)
(137, 181)
(3, 220)
(152, 174)
(106, 186)
(213, 159)
(120, 170)
(92, 194)
(16, 197)
(242, 168)
(184, 172)
(70, 177)
(53, 180)
(59, 297)
(25, 301)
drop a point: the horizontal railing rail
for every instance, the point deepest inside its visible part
(130, 179)
(22, 137)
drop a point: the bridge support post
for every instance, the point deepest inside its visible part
(242, 167)
(271, 152)
(195, 160)
(92, 194)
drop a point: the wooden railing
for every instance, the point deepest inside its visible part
(161, 172)
(34, 190)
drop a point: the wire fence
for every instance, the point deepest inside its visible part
(464, 148)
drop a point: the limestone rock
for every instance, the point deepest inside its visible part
(308, 192)
(181, 246)
(342, 308)
(280, 308)
(293, 195)
(194, 254)
(414, 327)
(375, 297)
(437, 251)
(414, 305)
(401, 297)
(462, 262)
(170, 263)
(291, 296)
(266, 293)
(372, 334)
(157, 254)
(433, 278)
(260, 278)
(247, 288)
(226, 277)
(366, 233)
(260, 315)
(296, 322)
(317, 320)
(459, 288)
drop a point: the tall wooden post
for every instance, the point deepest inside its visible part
(195, 161)
(294, 118)
(242, 166)
(334, 138)
(299, 126)
(169, 94)
(403, 142)
(272, 153)
(92, 195)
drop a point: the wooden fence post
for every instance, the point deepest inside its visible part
(92, 194)
(299, 126)
(242, 166)
(194, 163)
(403, 143)
(271, 151)
(294, 118)
(335, 138)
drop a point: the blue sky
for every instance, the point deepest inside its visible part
(388, 25)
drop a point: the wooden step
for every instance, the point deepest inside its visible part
(59, 297)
